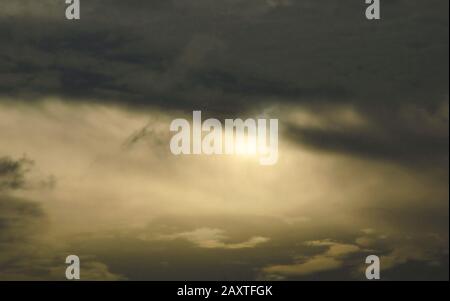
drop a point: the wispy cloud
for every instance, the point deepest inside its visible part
(214, 239)
(330, 259)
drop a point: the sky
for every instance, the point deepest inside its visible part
(86, 168)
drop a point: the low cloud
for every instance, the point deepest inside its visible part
(12, 172)
(26, 250)
(330, 259)
(112, 171)
(214, 239)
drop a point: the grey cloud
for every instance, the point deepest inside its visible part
(25, 255)
(287, 51)
(411, 135)
(229, 57)
(19, 219)
(293, 253)
(12, 172)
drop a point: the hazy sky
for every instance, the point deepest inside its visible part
(86, 169)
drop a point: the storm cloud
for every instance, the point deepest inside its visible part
(363, 112)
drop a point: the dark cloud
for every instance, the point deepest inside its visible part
(19, 219)
(25, 255)
(150, 52)
(412, 135)
(229, 57)
(419, 151)
(151, 256)
(12, 172)
(24, 252)
(226, 57)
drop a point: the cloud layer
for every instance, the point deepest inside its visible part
(85, 166)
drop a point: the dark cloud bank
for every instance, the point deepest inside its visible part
(227, 57)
